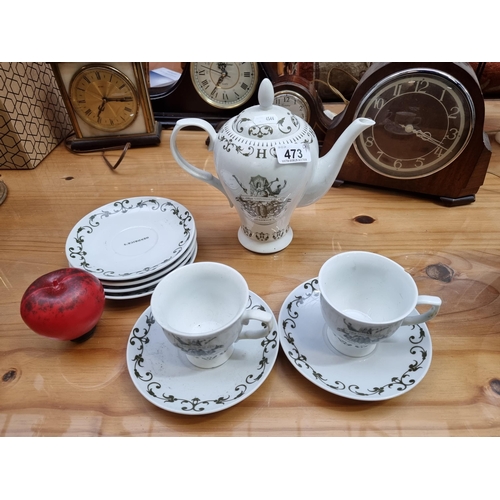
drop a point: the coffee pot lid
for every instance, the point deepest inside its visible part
(267, 121)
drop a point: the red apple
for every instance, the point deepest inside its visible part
(65, 304)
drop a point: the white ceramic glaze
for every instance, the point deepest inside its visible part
(162, 374)
(202, 311)
(156, 275)
(256, 178)
(118, 286)
(366, 298)
(131, 238)
(146, 288)
(396, 366)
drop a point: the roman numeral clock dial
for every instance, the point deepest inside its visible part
(224, 85)
(104, 98)
(108, 105)
(212, 91)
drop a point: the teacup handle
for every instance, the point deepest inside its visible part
(434, 302)
(202, 175)
(258, 315)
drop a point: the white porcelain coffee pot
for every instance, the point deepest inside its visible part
(267, 162)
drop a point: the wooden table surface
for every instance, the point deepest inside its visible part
(53, 388)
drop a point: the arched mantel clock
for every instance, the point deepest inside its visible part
(428, 137)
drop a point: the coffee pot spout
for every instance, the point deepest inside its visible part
(329, 165)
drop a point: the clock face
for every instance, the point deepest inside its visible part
(424, 119)
(294, 102)
(225, 85)
(104, 97)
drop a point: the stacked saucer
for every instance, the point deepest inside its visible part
(131, 244)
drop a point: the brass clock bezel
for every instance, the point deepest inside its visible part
(86, 113)
(230, 104)
(426, 168)
(298, 97)
(143, 130)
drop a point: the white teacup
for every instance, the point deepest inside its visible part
(202, 308)
(365, 298)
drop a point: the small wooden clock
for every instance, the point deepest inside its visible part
(299, 95)
(213, 91)
(428, 137)
(108, 104)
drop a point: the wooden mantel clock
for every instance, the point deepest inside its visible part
(300, 97)
(217, 91)
(428, 137)
(213, 91)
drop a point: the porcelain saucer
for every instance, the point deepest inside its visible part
(146, 289)
(187, 255)
(164, 376)
(118, 287)
(395, 367)
(130, 238)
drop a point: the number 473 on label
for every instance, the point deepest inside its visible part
(296, 153)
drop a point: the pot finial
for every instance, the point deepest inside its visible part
(266, 94)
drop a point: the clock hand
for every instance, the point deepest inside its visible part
(222, 71)
(221, 79)
(212, 69)
(118, 99)
(426, 136)
(222, 67)
(100, 109)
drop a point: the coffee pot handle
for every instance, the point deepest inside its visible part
(197, 173)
